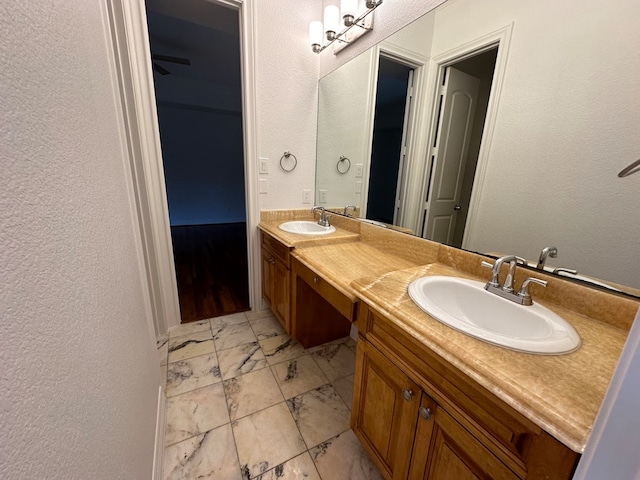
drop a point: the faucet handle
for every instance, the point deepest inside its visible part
(565, 270)
(494, 281)
(524, 294)
(522, 261)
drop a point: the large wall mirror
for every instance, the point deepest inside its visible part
(499, 127)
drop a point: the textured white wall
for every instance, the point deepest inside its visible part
(567, 122)
(79, 377)
(287, 98)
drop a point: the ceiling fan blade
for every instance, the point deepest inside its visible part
(160, 69)
(167, 58)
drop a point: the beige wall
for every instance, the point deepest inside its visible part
(80, 377)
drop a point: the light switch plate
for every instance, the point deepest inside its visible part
(264, 165)
(322, 196)
(306, 196)
(264, 186)
(358, 170)
(358, 186)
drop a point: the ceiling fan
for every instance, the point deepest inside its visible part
(166, 58)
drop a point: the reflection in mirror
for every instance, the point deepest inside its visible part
(524, 159)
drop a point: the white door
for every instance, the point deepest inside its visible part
(400, 185)
(459, 97)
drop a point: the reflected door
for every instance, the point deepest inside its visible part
(459, 96)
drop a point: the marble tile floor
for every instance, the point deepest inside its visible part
(245, 401)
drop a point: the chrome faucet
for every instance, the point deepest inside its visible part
(546, 252)
(346, 209)
(323, 220)
(506, 289)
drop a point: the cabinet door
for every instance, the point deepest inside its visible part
(444, 450)
(268, 262)
(281, 293)
(386, 414)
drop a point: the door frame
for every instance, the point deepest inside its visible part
(131, 45)
(419, 65)
(502, 39)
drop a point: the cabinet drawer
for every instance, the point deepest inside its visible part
(275, 247)
(327, 291)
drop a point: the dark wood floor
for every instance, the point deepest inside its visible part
(211, 270)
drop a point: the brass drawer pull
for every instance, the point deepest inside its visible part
(316, 280)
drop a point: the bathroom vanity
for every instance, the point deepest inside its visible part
(420, 417)
(429, 401)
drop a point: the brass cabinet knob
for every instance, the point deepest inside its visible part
(407, 394)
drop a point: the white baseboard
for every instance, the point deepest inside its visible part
(158, 455)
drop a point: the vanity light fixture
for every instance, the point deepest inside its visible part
(354, 13)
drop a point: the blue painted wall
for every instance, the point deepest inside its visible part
(203, 164)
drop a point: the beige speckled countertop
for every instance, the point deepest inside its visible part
(561, 394)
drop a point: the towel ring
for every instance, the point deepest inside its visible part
(631, 169)
(286, 155)
(342, 159)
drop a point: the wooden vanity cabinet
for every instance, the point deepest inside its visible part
(384, 411)
(276, 278)
(420, 418)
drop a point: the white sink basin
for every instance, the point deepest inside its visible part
(304, 227)
(466, 306)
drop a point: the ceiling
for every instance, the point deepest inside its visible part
(205, 33)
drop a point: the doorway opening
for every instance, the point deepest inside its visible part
(393, 106)
(195, 47)
(462, 103)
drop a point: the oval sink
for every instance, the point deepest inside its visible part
(466, 306)
(304, 227)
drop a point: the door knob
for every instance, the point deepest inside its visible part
(457, 208)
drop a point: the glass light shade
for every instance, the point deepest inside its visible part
(332, 18)
(315, 33)
(349, 7)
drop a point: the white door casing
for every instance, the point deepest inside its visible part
(457, 114)
(131, 44)
(412, 129)
(418, 179)
(408, 115)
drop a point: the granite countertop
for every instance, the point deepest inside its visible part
(562, 394)
(341, 264)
